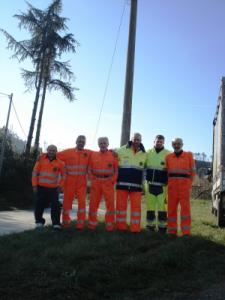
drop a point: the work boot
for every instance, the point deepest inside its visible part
(39, 225)
(162, 230)
(185, 236)
(66, 225)
(57, 226)
(172, 235)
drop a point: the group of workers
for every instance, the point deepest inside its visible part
(117, 175)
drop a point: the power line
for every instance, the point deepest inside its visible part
(18, 120)
(3, 94)
(109, 72)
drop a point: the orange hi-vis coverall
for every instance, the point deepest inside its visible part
(181, 170)
(103, 169)
(76, 165)
(129, 185)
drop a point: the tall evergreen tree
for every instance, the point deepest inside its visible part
(44, 48)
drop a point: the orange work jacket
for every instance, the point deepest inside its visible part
(48, 173)
(76, 161)
(180, 167)
(103, 166)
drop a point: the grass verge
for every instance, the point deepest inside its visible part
(100, 265)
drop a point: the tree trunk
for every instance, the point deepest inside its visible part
(38, 132)
(33, 117)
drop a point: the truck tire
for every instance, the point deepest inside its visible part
(221, 212)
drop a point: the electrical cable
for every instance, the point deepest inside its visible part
(19, 120)
(3, 94)
(109, 72)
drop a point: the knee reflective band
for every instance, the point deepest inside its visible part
(162, 221)
(151, 220)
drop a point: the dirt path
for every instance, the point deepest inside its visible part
(21, 220)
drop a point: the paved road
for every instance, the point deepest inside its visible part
(21, 220)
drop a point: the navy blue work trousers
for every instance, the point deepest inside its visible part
(44, 198)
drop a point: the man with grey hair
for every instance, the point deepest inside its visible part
(132, 159)
(181, 170)
(103, 169)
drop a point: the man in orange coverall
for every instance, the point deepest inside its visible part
(76, 164)
(180, 166)
(47, 181)
(103, 170)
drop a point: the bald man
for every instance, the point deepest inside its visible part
(132, 160)
(47, 181)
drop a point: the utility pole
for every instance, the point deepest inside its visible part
(5, 134)
(127, 105)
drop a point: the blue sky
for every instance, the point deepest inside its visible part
(180, 46)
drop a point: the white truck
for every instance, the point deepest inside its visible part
(218, 170)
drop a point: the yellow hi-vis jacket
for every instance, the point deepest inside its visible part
(156, 173)
(131, 168)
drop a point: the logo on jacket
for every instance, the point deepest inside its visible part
(162, 163)
(55, 169)
(110, 165)
(141, 163)
(85, 154)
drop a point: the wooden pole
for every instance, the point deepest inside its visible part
(127, 106)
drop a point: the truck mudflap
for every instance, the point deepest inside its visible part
(220, 211)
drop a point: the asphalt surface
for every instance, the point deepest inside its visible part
(21, 220)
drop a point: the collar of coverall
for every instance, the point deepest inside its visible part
(158, 150)
(141, 148)
(49, 158)
(178, 153)
(76, 149)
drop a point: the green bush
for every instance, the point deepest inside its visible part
(15, 181)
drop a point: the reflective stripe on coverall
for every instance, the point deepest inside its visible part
(103, 170)
(76, 164)
(48, 173)
(155, 189)
(181, 170)
(129, 185)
